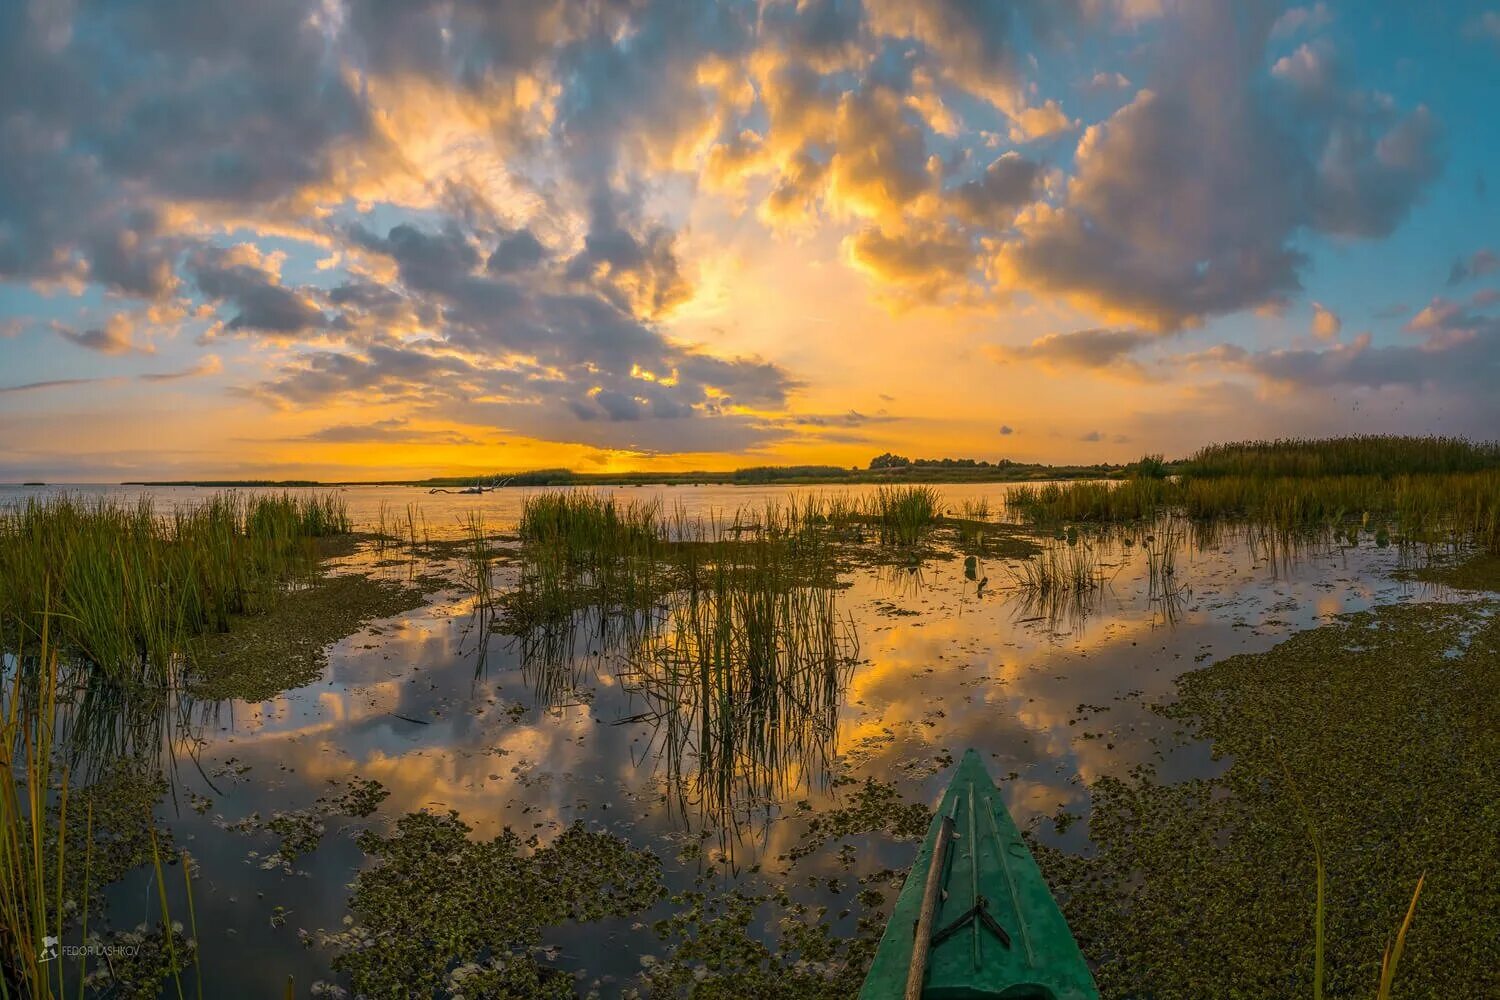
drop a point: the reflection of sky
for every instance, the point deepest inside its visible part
(408, 704)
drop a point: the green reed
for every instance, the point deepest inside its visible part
(1437, 510)
(41, 895)
(903, 513)
(744, 669)
(128, 586)
(726, 625)
(1362, 455)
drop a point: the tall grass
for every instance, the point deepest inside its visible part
(726, 625)
(903, 513)
(1451, 510)
(1363, 455)
(127, 586)
(27, 911)
(744, 672)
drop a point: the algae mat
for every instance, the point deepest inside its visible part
(1385, 720)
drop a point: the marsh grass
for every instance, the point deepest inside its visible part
(46, 888)
(743, 678)
(902, 514)
(1064, 568)
(127, 587)
(726, 627)
(1431, 512)
(1360, 455)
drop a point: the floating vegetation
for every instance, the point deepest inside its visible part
(713, 952)
(437, 902)
(300, 831)
(286, 646)
(128, 587)
(874, 807)
(1385, 719)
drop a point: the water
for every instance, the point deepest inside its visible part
(448, 716)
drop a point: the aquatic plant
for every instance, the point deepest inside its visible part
(59, 844)
(902, 513)
(127, 587)
(743, 672)
(1383, 718)
(1437, 511)
(1359, 455)
(436, 901)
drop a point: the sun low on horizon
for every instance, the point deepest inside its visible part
(344, 239)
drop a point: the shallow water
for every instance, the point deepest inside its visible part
(447, 715)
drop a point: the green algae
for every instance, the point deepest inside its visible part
(874, 807)
(1480, 571)
(135, 964)
(1205, 888)
(301, 831)
(437, 901)
(715, 954)
(287, 646)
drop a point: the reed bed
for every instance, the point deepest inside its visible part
(125, 587)
(725, 625)
(1361, 455)
(1449, 510)
(1063, 568)
(744, 673)
(903, 513)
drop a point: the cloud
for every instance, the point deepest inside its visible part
(1097, 349)
(115, 336)
(1185, 203)
(1006, 430)
(1325, 322)
(240, 276)
(1484, 26)
(1482, 262)
(110, 114)
(922, 266)
(1106, 81)
(208, 365)
(396, 430)
(1299, 19)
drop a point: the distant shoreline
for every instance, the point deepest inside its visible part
(740, 477)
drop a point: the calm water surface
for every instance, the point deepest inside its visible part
(449, 716)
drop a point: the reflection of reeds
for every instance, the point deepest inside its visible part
(1072, 568)
(743, 681)
(41, 891)
(726, 626)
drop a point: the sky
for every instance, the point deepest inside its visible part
(348, 239)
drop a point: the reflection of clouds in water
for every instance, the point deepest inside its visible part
(1058, 710)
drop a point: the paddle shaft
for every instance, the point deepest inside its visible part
(930, 895)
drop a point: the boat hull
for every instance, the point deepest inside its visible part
(997, 932)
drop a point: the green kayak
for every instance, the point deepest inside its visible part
(978, 903)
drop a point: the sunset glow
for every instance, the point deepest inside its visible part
(355, 240)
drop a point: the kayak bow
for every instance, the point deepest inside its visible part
(975, 919)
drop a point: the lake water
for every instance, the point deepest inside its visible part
(447, 716)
